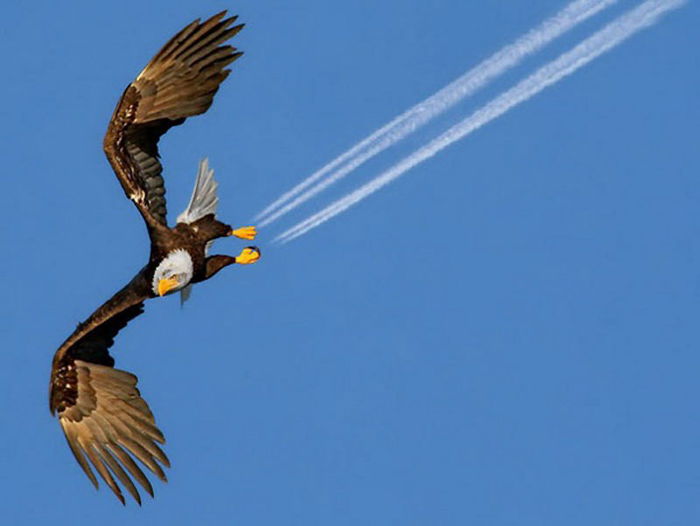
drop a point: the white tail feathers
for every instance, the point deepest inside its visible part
(185, 294)
(204, 199)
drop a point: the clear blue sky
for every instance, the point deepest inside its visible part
(508, 335)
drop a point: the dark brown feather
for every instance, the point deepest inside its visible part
(179, 82)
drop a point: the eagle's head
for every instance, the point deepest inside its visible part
(173, 273)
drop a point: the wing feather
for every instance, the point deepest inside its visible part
(72, 439)
(179, 82)
(117, 470)
(130, 465)
(89, 449)
(144, 455)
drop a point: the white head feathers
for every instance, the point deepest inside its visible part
(176, 265)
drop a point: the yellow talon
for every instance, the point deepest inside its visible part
(248, 256)
(245, 232)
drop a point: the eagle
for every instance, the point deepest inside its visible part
(107, 425)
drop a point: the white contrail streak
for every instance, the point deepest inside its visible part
(415, 117)
(610, 36)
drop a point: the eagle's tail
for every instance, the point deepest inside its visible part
(204, 198)
(203, 201)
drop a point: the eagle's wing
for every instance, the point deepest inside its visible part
(106, 422)
(179, 82)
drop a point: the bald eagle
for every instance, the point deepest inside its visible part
(107, 425)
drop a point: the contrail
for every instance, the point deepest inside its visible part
(415, 117)
(610, 36)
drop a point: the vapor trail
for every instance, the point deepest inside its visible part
(610, 36)
(415, 117)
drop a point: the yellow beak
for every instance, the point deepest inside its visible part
(166, 285)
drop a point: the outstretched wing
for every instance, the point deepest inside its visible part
(106, 422)
(179, 82)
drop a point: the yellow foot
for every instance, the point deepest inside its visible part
(248, 256)
(245, 232)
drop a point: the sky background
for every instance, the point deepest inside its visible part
(507, 335)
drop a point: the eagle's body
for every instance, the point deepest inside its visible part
(192, 238)
(106, 422)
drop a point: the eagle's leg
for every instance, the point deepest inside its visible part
(209, 228)
(248, 256)
(244, 232)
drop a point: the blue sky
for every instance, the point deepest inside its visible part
(507, 335)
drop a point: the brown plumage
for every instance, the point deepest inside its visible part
(179, 82)
(106, 422)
